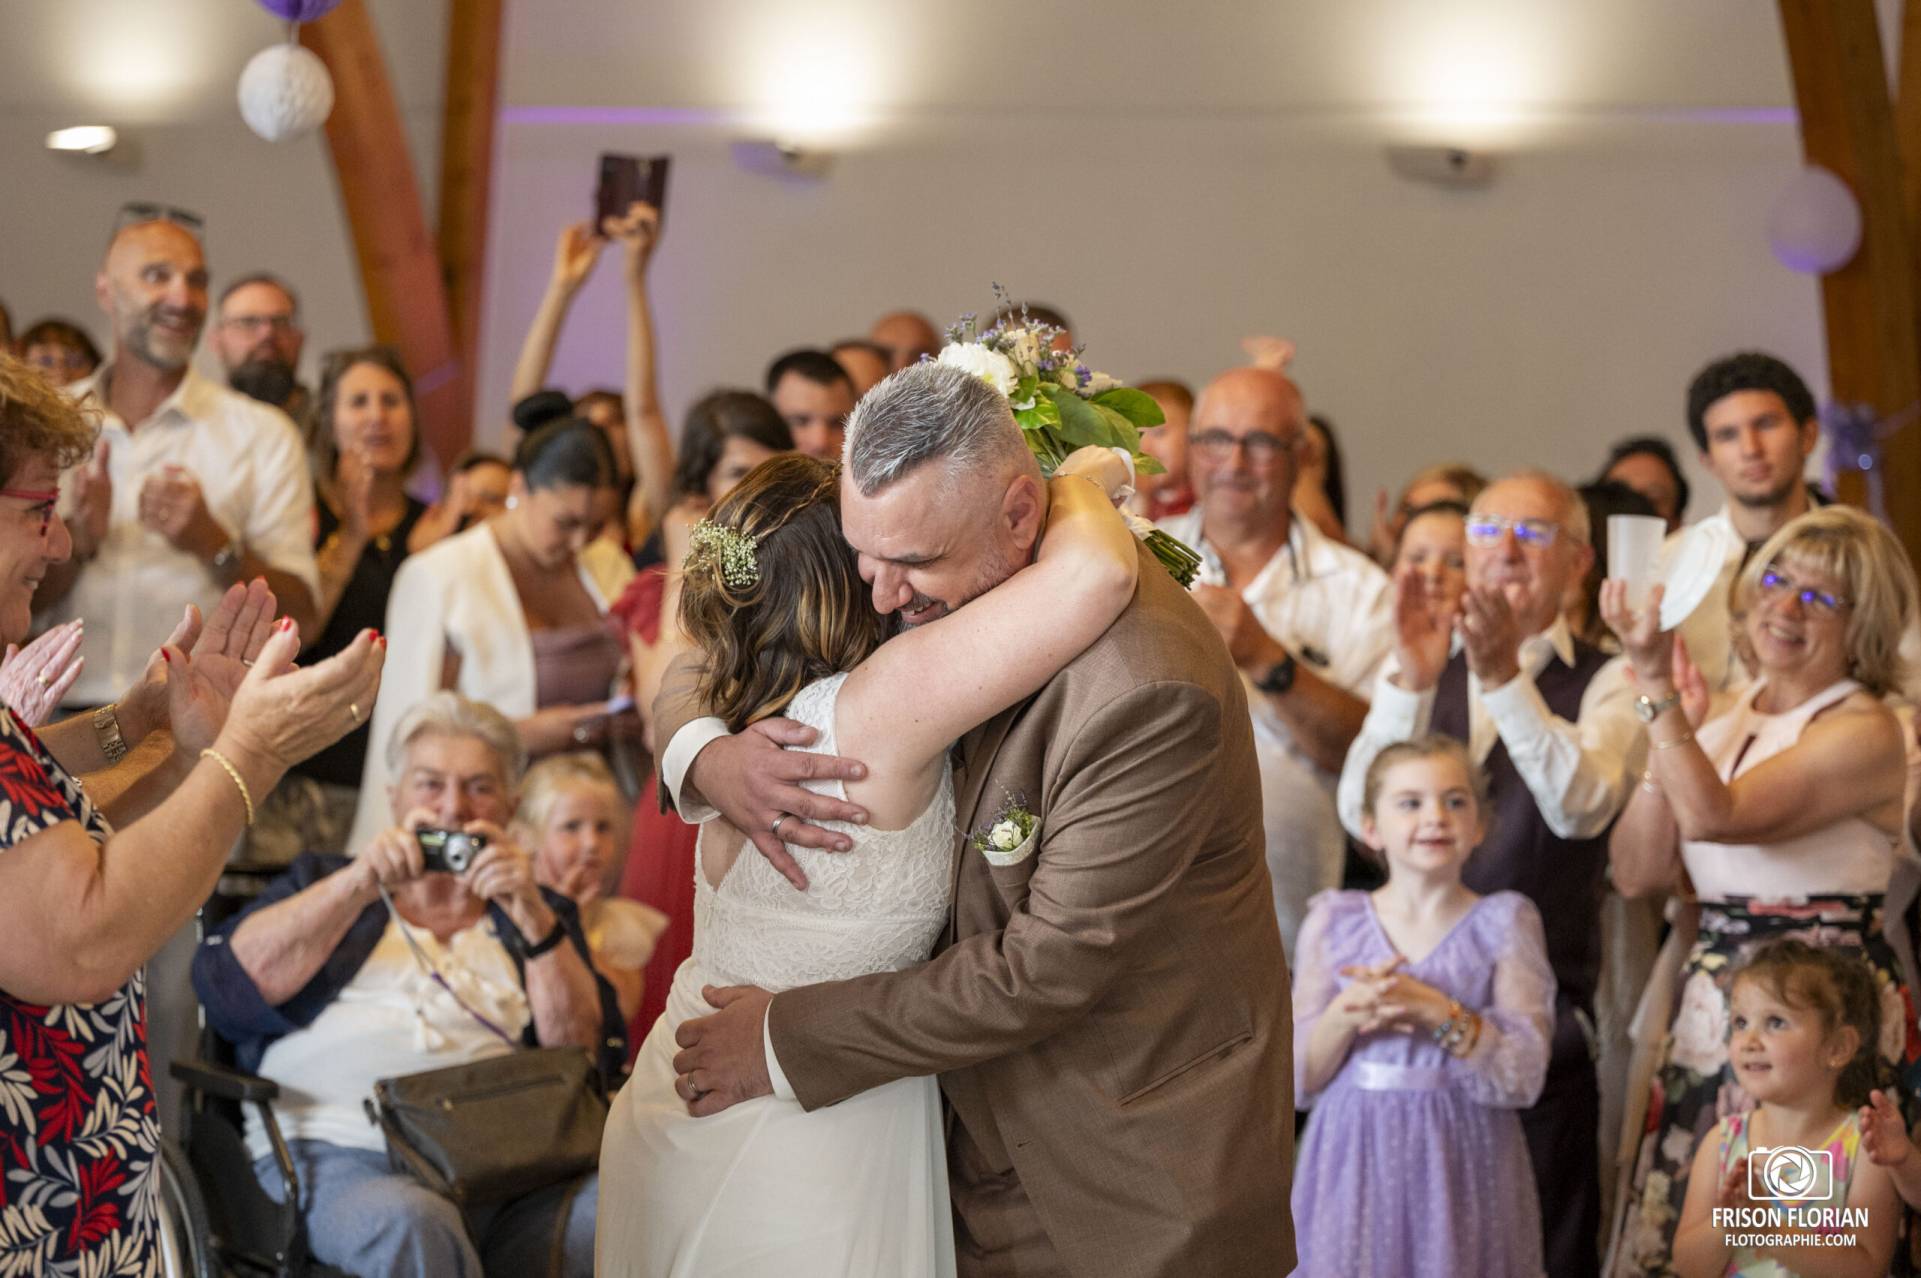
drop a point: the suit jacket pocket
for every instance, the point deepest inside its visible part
(1220, 1051)
(1010, 880)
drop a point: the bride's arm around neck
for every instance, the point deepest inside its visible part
(904, 706)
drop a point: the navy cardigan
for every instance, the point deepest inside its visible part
(237, 1012)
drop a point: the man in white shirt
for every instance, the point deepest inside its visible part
(1307, 620)
(192, 486)
(1553, 721)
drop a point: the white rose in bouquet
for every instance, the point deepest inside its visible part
(1006, 836)
(971, 357)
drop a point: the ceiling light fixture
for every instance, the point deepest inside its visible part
(84, 139)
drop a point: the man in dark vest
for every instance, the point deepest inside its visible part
(1552, 721)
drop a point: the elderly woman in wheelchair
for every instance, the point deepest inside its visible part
(433, 947)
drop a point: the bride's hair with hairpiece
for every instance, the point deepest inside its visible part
(802, 614)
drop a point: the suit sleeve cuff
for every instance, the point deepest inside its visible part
(782, 1088)
(694, 736)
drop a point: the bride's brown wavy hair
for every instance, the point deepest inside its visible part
(806, 617)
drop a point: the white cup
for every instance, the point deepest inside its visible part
(1634, 553)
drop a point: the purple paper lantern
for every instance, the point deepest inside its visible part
(1815, 224)
(299, 10)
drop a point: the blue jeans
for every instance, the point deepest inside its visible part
(373, 1222)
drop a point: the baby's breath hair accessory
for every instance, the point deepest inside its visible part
(731, 550)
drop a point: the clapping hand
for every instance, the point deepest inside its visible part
(1648, 650)
(1423, 635)
(92, 511)
(201, 684)
(1884, 1134)
(172, 504)
(33, 679)
(1359, 1005)
(1491, 636)
(1248, 644)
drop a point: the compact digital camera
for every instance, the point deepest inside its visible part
(449, 851)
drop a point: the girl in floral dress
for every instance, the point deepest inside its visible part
(1803, 1034)
(1422, 1019)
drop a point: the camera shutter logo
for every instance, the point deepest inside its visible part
(1789, 1173)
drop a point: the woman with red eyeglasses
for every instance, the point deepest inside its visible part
(1781, 816)
(95, 877)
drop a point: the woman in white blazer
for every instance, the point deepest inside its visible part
(503, 613)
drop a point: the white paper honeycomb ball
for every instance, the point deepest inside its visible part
(285, 91)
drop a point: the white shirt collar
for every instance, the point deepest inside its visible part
(187, 402)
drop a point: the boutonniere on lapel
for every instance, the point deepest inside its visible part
(1010, 837)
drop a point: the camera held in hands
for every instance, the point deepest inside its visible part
(449, 851)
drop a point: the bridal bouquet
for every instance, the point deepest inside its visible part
(1062, 405)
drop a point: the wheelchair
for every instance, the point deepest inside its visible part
(221, 1218)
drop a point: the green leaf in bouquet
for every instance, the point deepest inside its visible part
(1125, 436)
(1148, 464)
(1081, 424)
(1138, 407)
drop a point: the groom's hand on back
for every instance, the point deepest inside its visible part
(752, 781)
(723, 1057)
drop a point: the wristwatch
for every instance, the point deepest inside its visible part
(1647, 709)
(1279, 677)
(106, 726)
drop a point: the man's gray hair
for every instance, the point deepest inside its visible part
(1573, 509)
(448, 714)
(929, 412)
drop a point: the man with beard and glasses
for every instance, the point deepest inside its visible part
(1756, 424)
(192, 486)
(257, 335)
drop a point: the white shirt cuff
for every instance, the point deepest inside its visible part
(694, 736)
(1519, 713)
(782, 1088)
(1396, 714)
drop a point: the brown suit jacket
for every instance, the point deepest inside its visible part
(1110, 1017)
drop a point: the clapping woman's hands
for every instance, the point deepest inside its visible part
(201, 680)
(281, 714)
(33, 679)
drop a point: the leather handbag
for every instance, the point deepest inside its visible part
(497, 1128)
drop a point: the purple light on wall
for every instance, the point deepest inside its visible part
(610, 115)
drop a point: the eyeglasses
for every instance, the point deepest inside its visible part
(134, 212)
(253, 325)
(1262, 447)
(1778, 585)
(43, 499)
(1487, 530)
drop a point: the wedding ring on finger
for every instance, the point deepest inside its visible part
(41, 679)
(775, 827)
(353, 708)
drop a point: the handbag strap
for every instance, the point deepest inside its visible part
(432, 971)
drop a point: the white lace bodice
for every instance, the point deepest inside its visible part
(876, 908)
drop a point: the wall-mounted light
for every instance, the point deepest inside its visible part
(783, 159)
(84, 139)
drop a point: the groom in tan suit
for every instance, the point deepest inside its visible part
(1108, 1015)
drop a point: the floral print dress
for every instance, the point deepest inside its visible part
(78, 1133)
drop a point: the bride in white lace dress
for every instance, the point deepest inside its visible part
(774, 599)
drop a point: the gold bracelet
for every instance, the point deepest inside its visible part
(246, 796)
(1675, 744)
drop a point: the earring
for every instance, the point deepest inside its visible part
(513, 503)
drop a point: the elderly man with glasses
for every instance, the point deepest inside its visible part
(192, 487)
(1556, 726)
(1307, 620)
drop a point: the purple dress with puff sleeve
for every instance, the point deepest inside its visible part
(1413, 1163)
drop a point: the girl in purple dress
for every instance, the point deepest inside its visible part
(1422, 1015)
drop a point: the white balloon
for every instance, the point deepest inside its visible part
(285, 91)
(1815, 224)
